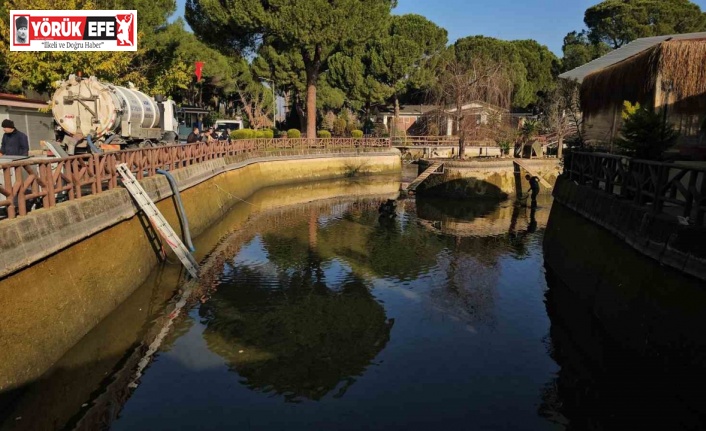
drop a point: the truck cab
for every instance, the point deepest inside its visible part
(221, 127)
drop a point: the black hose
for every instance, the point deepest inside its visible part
(180, 209)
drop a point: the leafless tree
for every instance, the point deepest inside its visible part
(461, 83)
(563, 112)
(257, 105)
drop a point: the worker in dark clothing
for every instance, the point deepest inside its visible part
(534, 188)
(14, 142)
(193, 136)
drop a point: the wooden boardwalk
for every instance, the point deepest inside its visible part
(411, 189)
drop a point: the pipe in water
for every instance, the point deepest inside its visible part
(180, 209)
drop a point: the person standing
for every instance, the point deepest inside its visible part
(534, 188)
(193, 136)
(14, 142)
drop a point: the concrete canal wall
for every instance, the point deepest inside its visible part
(648, 310)
(66, 268)
(491, 179)
(659, 236)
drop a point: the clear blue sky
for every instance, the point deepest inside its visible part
(546, 21)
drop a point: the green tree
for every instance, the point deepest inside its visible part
(401, 58)
(578, 50)
(617, 22)
(542, 67)
(646, 134)
(317, 29)
(482, 50)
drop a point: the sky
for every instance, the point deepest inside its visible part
(546, 21)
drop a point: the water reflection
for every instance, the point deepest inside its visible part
(628, 334)
(302, 340)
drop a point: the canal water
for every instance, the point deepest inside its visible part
(315, 311)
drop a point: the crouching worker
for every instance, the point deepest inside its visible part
(534, 188)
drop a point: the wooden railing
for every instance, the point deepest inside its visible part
(472, 140)
(672, 188)
(43, 182)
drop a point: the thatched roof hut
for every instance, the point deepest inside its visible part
(675, 65)
(660, 72)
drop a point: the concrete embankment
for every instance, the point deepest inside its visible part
(493, 179)
(66, 268)
(659, 236)
(119, 340)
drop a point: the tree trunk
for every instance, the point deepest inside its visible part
(312, 76)
(301, 113)
(393, 129)
(461, 135)
(560, 146)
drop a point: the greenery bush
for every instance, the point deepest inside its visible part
(504, 146)
(294, 134)
(646, 135)
(242, 134)
(263, 134)
(339, 127)
(357, 134)
(324, 134)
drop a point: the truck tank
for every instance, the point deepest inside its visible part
(88, 106)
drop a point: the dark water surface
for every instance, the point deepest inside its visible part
(332, 318)
(314, 312)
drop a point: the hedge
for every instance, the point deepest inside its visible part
(242, 134)
(323, 134)
(357, 133)
(294, 134)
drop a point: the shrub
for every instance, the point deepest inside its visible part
(263, 134)
(242, 134)
(646, 135)
(276, 133)
(357, 134)
(339, 127)
(294, 134)
(504, 146)
(323, 134)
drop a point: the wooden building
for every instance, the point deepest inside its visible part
(666, 73)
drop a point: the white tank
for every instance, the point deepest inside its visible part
(88, 105)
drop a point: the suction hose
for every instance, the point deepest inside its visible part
(180, 209)
(92, 146)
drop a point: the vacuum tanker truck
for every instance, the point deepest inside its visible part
(94, 114)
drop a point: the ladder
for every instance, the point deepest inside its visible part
(158, 220)
(420, 179)
(542, 181)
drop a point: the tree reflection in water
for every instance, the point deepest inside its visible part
(302, 340)
(305, 325)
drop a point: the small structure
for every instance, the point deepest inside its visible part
(190, 117)
(663, 72)
(408, 119)
(28, 116)
(476, 114)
